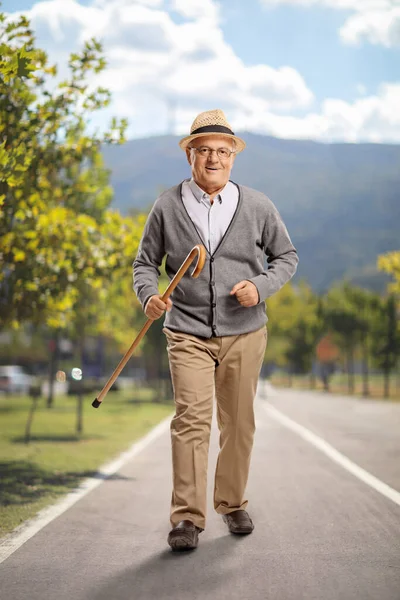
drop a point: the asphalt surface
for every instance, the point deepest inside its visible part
(320, 533)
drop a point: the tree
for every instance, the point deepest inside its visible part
(366, 303)
(293, 327)
(390, 263)
(65, 253)
(386, 340)
(53, 186)
(281, 310)
(304, 333)
(343, 318)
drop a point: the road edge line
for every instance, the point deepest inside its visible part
(333, 454)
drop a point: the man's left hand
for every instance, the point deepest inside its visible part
(246, 293)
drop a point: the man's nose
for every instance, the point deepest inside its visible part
(213, 156)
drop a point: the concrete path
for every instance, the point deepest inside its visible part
(320, 533)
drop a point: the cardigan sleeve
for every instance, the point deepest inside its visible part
(281, 255)
(150, 254)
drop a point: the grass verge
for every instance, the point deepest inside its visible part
(35, 475)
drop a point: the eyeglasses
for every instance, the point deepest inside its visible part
(205, 151)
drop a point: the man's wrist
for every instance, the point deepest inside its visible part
(147, 301)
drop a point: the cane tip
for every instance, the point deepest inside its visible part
(96, 403)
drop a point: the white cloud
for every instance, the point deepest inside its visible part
(154, 61)
(369, 119)
(158, 68)
(196, 9)
(127, 3)
(380, 27)
(375, 21)
(340, 4)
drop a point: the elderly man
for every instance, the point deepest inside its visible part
(215, 325)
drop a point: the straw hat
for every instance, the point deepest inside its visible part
(211, 122)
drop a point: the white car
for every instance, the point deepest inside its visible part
(14, 379)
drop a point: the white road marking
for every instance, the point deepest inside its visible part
(333, 454)
(24, 532)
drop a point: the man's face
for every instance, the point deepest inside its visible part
(210, 171)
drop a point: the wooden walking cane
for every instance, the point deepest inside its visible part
(198, 251)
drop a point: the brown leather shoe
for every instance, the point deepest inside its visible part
(238, 521)
(184, 536)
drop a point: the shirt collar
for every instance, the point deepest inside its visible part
(199, 194)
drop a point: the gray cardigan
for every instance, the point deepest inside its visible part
(203, 306)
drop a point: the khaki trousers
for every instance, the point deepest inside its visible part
(227, 367)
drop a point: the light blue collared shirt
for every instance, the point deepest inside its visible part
(210, 220)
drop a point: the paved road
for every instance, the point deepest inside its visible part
(321, 533)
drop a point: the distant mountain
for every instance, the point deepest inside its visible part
(340, 202)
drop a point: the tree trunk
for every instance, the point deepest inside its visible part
(325, 376)
(35, 399)
(325, 382)
(350, 371)
(312, 381)
(366, 390)
(79, 404)
(79, 415)
(386, 392)
(290, 380)
(54, 355)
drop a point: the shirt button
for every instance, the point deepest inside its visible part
(211, 259)
(213, 305)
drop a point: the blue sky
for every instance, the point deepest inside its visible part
(290, 68)
(308, 41)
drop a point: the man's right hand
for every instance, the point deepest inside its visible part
(155, 307)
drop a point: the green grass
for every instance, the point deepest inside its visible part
(338, 384)
(56, 459)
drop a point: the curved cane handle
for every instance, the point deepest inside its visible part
(201, 259)
(198, 251)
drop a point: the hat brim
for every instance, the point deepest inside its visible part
(240, 144)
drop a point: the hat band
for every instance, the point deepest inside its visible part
(213, 129)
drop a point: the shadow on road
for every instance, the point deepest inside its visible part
(56, 438)
(195, 573)
(22, 482)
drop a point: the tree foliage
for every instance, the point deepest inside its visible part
(390, 263)
(294, 327)
(58, 240)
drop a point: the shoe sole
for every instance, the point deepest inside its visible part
(241, 531)
(181, 543)
(182, 548)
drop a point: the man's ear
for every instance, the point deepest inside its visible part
(189, 156)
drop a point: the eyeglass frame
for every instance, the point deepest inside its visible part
(211, 150)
